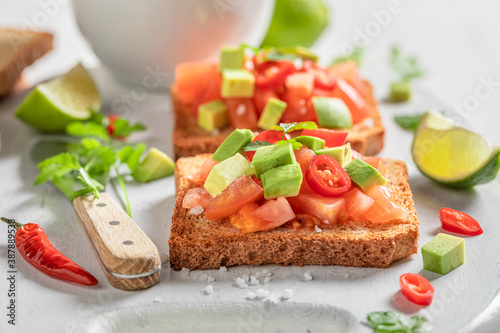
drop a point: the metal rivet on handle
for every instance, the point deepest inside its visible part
(114, 222)
(128, 242)
(101, 204)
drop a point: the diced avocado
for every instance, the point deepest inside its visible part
(443, 253)
(269, 157)
(400, 91)
(272, 113)
(341, 154)
(305, 53)
(237, 83)
(231, 57)
(238, 139)
(363, 174)
(155, 165)
(212, 115)
(225, 173)
(284, 180)
(311, 142)
(332, 112)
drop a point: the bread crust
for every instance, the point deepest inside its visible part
(23, 49)
(366, 137)
(197, 243)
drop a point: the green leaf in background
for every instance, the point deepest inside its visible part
(355, 55)
(407, 68)
(393, 322)
(131, 155)
(124, 128)
(87, 129)
(409, 123)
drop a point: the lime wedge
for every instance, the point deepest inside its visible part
(52, 105)
(453, 155)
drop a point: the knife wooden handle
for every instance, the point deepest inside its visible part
(127, 256)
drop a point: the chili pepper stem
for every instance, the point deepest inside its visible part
(12, 221)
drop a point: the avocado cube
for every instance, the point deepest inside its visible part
(311, 142)
(238, 139)
(212, 115)
(400, 91)
(341, 154)
(155, 165)
(284, 181)
(225, 173)
(237, 83)
(332, 112)
(272, 113)
(363, 174)
(269, 157)
(231, 57)
(443, 253)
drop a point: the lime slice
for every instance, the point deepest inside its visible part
(296, 22)
(52, 105)
(453, 155)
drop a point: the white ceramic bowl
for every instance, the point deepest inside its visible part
(135, 38)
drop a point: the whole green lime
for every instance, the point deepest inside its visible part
(296, 22)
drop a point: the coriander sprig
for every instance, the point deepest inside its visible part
(407, 69)
(393, 322)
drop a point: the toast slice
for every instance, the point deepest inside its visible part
(19, 49)
(366, 137)
(197, 243)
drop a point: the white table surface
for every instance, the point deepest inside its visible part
(457, 42)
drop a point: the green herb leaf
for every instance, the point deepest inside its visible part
(131, 155)
(295, 144)
(393, 322)
(254, 145)
(407, 68)
(408, 122)
(355, 55)
(87, 129)
(124, 128)
(290, 127)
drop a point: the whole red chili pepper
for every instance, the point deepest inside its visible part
(33, 244)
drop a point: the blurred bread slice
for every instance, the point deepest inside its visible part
(19, 49)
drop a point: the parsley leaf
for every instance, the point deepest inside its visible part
(355, 55)
(290, 127)
(124, 128)
(295, 144)
(393, 322)
(87, 129)
(408, 122)
(254, 145)
(407, 68)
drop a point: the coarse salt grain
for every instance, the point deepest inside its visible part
(307, 276)
(245, 277)
(157, 300)
(240, 283)
(274, 298)
(196, 210)
(251, 294)
(287, 293)
(203, 277)
(261, 293)
(223, 269)
(267, 279)
(317, 229)
(240, 110)
(369, 122)
(208, 290)
(253, 281)
(210, 279)
(185, 271)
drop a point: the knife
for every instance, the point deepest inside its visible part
(129, 259)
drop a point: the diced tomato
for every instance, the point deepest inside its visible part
(241, 112)
(354, 101)
(240, 192)
(300, 84)
(416, 288)
(383, 209)
(323, 78)
(272, 214)
(326, 177)
(297, 109)
(333, 138)
(193, 79)
(322, 92)
(328, 210)
(211, 93)
(459, 222)
(272, 74)
(357, 204)
(261, 97)
(271, 136)
(304, 156)
(201, 176)
(197, 196)
(355, 154)
(376, 162)
(348, 71)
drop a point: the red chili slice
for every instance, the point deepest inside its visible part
(323, 78)
(459, 222)
(272, 74)
(416, 288)
(271, 136)
(326, 177)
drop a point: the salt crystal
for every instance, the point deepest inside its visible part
(216, 131)
(267, 279)
(251, 294)
(264, 273)
(240, 283)
(203, 277)
(308, 276)
(208, 290)
(317, 229)
(274, 298)
(253, 281)
(223, 269)
(240, 110)
(185, 271)
(210, 279)
(196, 210)
(261, 293)
(245, 277)
(157, 300)
(369, 122)
(287, 293)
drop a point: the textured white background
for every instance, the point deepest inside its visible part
(457, 42)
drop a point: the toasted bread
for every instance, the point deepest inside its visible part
(366, 137)
(197, 243)
(19, 49)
